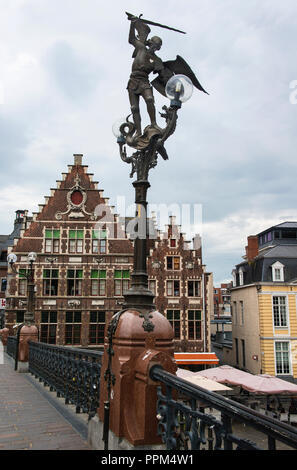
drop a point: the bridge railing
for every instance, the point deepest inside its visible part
(185, 421)
(72, 373)
(11, 347)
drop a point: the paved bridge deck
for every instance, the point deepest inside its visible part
(30, 419)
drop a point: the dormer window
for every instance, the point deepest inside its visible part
(234, 277)
(240, 272)
(277, 272)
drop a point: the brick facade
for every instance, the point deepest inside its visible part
(85, 261)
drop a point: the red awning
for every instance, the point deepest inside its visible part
(195, 358)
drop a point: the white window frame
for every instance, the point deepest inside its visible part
(240, 272)
(277, 267)
(286, 326)
(234, 277)
(289, 359)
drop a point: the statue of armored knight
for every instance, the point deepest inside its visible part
(146, 62)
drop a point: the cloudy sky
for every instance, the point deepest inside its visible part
(64, 71)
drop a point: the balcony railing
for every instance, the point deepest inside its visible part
(184, 423)
(72, 373)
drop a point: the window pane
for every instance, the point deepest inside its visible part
(169, 262)
(44, 317)
(69, 317)
(94, 287)
(56, 244)
(53, 317)
(95, 246)
(77, 317)
(101, 317)
(93, 317)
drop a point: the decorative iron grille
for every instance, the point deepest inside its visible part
(72, 373)
(186, 420)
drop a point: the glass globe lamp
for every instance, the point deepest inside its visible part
(116, 130)
(179, 89)
(32, 256)
(11, 258)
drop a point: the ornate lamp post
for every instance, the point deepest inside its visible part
(139, 336)
(27, 331)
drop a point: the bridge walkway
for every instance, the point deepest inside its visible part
(31, 419)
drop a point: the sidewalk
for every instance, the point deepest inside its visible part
(27, 419)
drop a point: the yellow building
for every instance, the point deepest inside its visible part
(264, 304)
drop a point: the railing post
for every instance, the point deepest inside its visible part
(227, 424)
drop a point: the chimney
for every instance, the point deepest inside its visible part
(78, 158)
(19, 216)
(252, 248)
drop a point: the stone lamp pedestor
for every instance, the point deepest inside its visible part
(133, 396)
(27, 333)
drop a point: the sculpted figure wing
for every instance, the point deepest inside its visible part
(174, 67)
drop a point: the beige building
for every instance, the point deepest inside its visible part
(264, 304)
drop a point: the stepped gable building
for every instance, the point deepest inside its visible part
(20, 222)
(84, 264)
(264, 299)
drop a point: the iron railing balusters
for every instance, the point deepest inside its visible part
(74, 374)
(193, 422)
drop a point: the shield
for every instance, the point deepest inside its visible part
(174, 67)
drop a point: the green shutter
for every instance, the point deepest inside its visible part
(80, 234)
(99, 234)
(102, 274)
(95, 234)
(22, 273)
(79, 274)
(46, 273)
(56, 233)
(48, 233)
(126, 274)
(118, 274)
(94, 274)
(72, 233)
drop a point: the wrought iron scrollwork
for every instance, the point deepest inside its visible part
(183, 423)
(73, 374)
(148, 146)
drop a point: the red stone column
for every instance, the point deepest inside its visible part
(4, 335)
(27, 333)
(133, 396)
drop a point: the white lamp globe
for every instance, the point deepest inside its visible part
(116, 127)
(11, 258)
(179, 87)
(32, 256)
